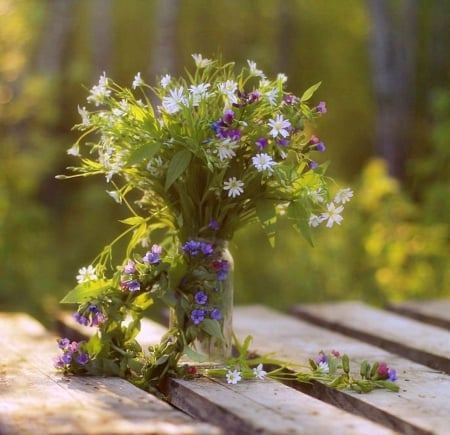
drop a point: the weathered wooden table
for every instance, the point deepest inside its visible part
(36, 399)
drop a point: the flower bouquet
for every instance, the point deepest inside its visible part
(193, 159)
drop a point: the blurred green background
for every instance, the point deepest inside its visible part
(384, 66)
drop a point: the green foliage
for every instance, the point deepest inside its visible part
(385, 250)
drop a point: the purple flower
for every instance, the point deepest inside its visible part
(284, 142)
(392, 375)
(213, 225)
(228, 117)
(83, 358)
(58, 363)
(314, 140)
(320, 147)
(98, 319)
(63, 343)
(93, 308)
(383, 370)
(152, 256)
(207, 249)
(261, 143)
(290, 99)
(254, 96)
(322, 358)
(201, 297)
(222, 268)
(133, 286)
(66, 358)
(191, 247)
(130, 267)
(312, 165)
(322, 107)
(73, 347)
(81, 319)
(216, 314)
(197, 316)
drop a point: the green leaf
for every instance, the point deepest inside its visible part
(134, 220)
(86, 291)
(193, 355)
(177, 166)
(298, 214)
(265, 210)
(309, 92)
(145, 151)
(212, 327)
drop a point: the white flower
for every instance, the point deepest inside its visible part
(233, 186)
(279, 126)
(332, 214)
(225, 149)
(272, 95)
(200, 62)
(122, 109)
(233, 377)
(165, 80)
(228, 90)
(254, 71)
(317, 195)
(259, 372)
(314, 220)
(282, 78)
(74, 150)
(199, 92)
(323, 367)
(99, 92)
(343, 196)
(137, 81)
(84, 115)
(263, 162)
(86, 274)
(114, 194)
(173, 103)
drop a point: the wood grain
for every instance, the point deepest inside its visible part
(420, 407)
(35, 399)
(425, 344)
(435, 312)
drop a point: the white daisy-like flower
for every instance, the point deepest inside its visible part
(254, 70)
(233, 377)
(317, 195)
(323, 367)
(282, 78)
(343, 196)
(314, 220)
(259, 372)
(200, 62)
(84, 115)
(263, 162)
(225, 149)
(137, 81)
(86, 274)
(199, 92)
(228, 90)
(279, 126)
(99, 92)
(332, 215)
(234, 187)
(272, 95)
(165, 80)
(173, 103)
(122, 109)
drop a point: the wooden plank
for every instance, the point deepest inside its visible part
(435, 312)
(420, 407)
(264, 407)
(250, 407)
(425, 344)
(35, 398)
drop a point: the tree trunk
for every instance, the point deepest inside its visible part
(164, 38)
(393, 53)
(101, 31)
(50, 57)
